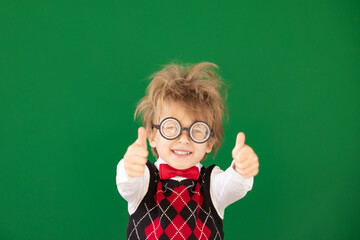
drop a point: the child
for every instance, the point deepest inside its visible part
(177, 197)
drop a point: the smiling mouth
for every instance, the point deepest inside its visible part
(181, 153)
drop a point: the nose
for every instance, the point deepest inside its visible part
(184, 137)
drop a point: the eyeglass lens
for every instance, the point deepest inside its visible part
(170, 128)
(200, 131)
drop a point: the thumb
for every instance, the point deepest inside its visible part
(141, 140)
(240, 141)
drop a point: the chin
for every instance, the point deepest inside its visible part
(186, 166)
(180, 166)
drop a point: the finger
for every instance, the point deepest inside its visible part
(138, 160)
(135, 168)
(251, 168)
(248, 164)
(239, 143)
(136, 150)
(140, 151)
(244, 165)
(241, 158)
(244, 154)
(141, 140)
(240, 140)
(250, 173)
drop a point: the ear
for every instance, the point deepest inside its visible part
(209, 146)
(151, 137)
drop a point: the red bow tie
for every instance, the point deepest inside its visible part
(167, 172)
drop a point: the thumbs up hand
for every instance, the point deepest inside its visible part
(246, 162)
(135, 157)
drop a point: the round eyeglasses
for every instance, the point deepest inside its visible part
(170, 128)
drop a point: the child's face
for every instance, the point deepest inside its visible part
(182, 152)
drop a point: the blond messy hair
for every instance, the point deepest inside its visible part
(198, 87)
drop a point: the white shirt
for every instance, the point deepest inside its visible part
(226, 187)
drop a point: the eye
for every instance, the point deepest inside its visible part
(170, 128)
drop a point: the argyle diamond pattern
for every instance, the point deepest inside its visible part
(182, 223)
(177, 211)
(154, 230)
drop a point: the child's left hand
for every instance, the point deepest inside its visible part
(246, 162)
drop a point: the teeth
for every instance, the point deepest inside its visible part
(181, 152)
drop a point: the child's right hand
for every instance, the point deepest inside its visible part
(135, 157)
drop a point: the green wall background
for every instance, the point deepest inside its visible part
(71, 73)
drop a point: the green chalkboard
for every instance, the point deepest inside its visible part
(72, 72)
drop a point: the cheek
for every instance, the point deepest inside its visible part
(160, 143)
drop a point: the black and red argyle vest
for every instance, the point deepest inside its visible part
(176, 210)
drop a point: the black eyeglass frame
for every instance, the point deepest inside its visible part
(158, 127)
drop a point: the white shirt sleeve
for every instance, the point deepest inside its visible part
(132, 189)
(227, 187)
